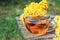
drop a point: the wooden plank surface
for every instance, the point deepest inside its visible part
(28, 36)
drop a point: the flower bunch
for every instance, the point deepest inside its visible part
(35, 9)
(57, 27)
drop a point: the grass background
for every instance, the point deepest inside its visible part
(11, 9)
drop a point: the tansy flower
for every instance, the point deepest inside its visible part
(35, 9)
(57, 27)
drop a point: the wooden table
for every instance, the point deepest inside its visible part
(28, 36)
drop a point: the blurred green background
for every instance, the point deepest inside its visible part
(9, 9)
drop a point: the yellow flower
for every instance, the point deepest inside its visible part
(35, 9)
(57, 27)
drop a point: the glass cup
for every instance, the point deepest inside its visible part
(37, 25)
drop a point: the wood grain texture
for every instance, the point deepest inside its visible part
(28, 36)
